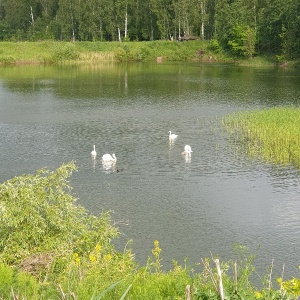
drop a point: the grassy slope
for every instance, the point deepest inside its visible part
(53, 52)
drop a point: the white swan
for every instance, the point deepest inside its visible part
(172, 136)
(94, 153)
(187, 150)
(109, 158)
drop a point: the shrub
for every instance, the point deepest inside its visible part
(215, 46)
(65, 52)
(7, 60)
(42, 228)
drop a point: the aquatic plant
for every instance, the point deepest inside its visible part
(272, 135)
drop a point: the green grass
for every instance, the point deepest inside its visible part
(272, 135)
(261, 62)
(49, 52)
(93, 52)
(26, 52)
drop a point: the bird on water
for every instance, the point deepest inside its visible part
(109, 158)
(172, 136)
(94, 153)
(187, 150)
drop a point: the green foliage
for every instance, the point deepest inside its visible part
(215, 46)
(162, 286)
(20, 283)
(242, 41)
(42, 224)
(6, 60)
(37, 213)
(273, 18)
(291, 286)
(290, 31)
(6, 279)
(44, 233)
(151, 282)
(125, 53)
(171, 51)
(65, 52)
(92, 271)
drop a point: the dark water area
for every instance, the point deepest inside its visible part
(194, 207)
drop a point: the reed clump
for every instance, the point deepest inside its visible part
(272, 135)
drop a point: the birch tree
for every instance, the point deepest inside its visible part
(164, 12)
(66, 19)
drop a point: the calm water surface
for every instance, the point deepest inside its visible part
(194, 207)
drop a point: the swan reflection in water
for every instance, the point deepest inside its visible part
(94, 153)
(109, 166)
(93, 156)
(187, 150)
(187, 159)
(171, 142)
(94, 161)
(187, 153)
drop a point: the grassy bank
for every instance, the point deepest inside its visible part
(92, 52)
(53, 249)
(272, 135)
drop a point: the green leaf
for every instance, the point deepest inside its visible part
(106, 290)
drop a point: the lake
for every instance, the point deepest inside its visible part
(195, 207)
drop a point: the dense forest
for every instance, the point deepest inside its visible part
(243, 27)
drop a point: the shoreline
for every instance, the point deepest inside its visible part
(50, 52)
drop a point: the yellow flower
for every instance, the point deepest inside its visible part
(92, 257)
(156, 251)
(77, 261)
(107, 257)
(258, 295)
(98, 248)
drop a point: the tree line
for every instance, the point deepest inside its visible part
(243, 27)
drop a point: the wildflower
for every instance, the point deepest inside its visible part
(76, 259)
(92, 257)
(258, 295)
(156, 250)
(107, 257)
(98, 248)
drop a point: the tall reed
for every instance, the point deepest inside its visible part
(272, 135)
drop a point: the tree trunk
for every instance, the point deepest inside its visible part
(202, 20)
(119, 34)
(126, 23)
(32, 18)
